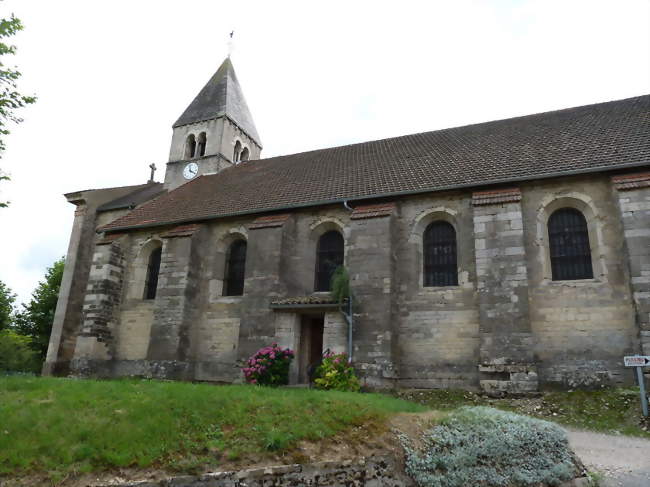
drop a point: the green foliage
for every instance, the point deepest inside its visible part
(7, 299)
(340, 284)
(64, 425)
(488, 447)
(335, 373)
(10, 98)
(16, 354)
(36, 318)
(269, 366)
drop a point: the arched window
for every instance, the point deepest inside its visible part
(329, 256)
(233, 284)
(190, 147)
(236, 152)
(201, 144)
(569, 245)
(439, 247)
(244, 154)
(153, 269)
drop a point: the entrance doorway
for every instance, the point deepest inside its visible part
(310, 352)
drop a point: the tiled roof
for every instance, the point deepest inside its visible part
(372, 211)
(606, 136)
(137, 197)
(315, 300)
(632, 181)
(221, 96)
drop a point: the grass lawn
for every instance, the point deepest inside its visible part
(616, 411)
(63, 426)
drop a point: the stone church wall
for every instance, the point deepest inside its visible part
(506, 327)
(438, 328)
(582, 328)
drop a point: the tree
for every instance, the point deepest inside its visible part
(36, 318)
(7, 299)
(10, 98)
(16, 354)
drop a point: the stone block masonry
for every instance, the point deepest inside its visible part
(633, 195)
(95, 342)
(506, 362)
(370, 472)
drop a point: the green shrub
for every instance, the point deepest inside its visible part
(16, 354)
(340, 284)
(269, 366)
(336, 373)
(487, 447)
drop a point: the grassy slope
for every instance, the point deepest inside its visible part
(616, 411)
(64, 425)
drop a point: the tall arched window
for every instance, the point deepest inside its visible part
(569, 245)
(439, 246)
(236, 152)
(201, 144)
(190, 146)
(329, 256)
(245, 154)
(153, 269)
(233, 284)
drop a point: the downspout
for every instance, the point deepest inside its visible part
(348, 316)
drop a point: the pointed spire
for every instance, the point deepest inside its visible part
(221, 96)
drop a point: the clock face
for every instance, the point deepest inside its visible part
(190, 170)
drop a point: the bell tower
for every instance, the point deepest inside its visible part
(214, 132)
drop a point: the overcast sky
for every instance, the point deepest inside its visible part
(112, 77)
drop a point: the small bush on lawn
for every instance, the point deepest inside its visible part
(336, 373)
(486, 447)
(269, 366)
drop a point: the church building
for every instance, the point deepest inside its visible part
(507, 256)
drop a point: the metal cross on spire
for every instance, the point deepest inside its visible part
(232, 33)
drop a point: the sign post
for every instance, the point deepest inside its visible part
(638, 362)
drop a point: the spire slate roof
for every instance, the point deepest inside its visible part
(589, 139)
(221, 96)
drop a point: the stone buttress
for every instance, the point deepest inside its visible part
(633, 194)
(506, 362)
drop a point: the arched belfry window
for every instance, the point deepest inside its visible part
(236, 152)
(439, 248)
(190, 146)
(233, 284)
(569, 245)
(153, 270)
(245, 154)
(329, 256)
(201, 144)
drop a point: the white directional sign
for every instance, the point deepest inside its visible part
(637, 361)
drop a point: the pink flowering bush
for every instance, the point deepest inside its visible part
(336, 373)
(269, 366)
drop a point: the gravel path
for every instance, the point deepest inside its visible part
(623, 460)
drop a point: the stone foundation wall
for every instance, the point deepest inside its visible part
(372, 472)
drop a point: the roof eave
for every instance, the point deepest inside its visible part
(573, 172)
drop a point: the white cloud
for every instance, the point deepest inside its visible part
(112, 78)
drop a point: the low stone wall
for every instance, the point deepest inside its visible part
(371, 472)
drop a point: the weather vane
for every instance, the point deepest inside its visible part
(232, 33)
